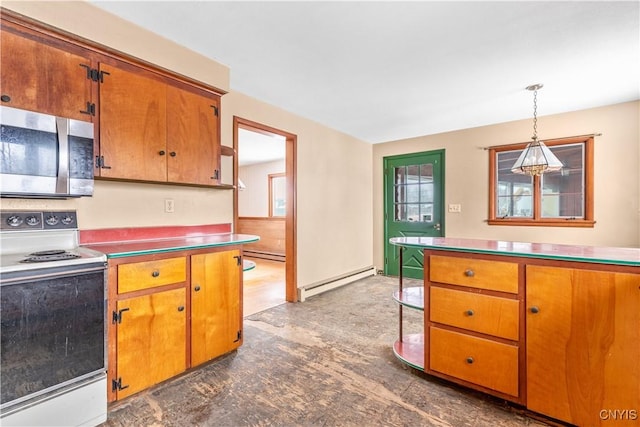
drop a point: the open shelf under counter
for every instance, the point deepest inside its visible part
(410, 350)
(410, 297)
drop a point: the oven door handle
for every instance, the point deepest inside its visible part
(22, 277)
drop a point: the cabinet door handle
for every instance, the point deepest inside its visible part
(181, 308)
(534, 309)
(197, 288)
(162, 152)
(469, 273)
(172, 154)
(469, 312)
(155, 273)
(5, 98)
(470, 360)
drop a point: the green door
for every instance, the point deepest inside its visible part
(413, 206)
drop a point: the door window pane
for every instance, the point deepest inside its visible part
(414, 193)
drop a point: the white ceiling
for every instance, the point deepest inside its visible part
(382, 71)
(254, 147)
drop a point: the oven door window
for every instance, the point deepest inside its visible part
(53, 332)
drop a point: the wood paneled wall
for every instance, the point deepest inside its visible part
(272, 236)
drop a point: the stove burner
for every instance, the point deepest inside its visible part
(44, 256)
(49, 252)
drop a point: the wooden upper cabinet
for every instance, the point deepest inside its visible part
(133, 125)
(38, 77)
(151, 130)
(193, 146)
(151, 124)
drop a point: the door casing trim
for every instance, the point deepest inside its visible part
(290, 218)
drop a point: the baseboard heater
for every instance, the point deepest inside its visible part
(265, 255)
(336, 282)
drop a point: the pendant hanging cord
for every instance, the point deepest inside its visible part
(535, 115)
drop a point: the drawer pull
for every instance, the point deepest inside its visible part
(197, 288)
(469, 312)
(470, 360)
(469, 273)
(534, 309)
(181, 308)
(155, 273)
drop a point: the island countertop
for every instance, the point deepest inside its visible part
(118, 243)
(590, 254)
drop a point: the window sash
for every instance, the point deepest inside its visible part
(562, 198)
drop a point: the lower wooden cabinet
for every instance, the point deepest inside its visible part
(583, 345)
(170, 312)
(472, 322)
(559, 337)
(216, 315)
(151, 337)
(484, 362)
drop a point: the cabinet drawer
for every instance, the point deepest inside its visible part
(481, 313)
(480, 361)
(149, 274)
(475, 273)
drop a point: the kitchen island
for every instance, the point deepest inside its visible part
(552, 327)
(174, 300)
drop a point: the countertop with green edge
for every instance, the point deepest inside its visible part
(173, 244)
(590, 254)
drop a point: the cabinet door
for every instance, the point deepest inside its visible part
(216, 313)
(193, 143)
(42, 78)
(151, 343)
(583, 356)
(133, 126)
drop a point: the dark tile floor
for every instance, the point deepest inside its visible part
(325, 362)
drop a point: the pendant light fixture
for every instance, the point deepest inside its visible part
(536, 158)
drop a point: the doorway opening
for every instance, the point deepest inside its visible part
(264, 205)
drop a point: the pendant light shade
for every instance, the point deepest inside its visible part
(536, 158)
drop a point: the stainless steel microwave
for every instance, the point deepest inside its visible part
(44, 156)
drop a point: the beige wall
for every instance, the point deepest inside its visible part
(254, 200)
(334, 178)
(616, 171)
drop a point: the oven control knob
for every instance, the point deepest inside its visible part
(67, 219)
(15, 221)
(52, 220)
(32, 220)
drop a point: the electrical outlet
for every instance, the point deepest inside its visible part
(455, 208)
(169, 205)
